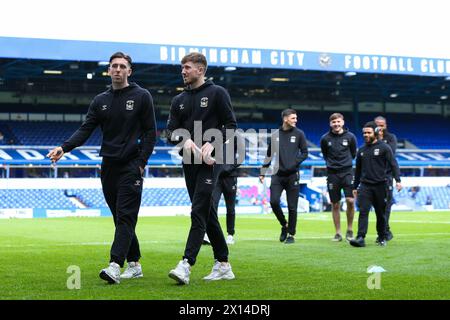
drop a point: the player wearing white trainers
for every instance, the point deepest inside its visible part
(181, 272)
(220, 271)
(111, 273)
(207, 107)
(230, 239)
(133, 270)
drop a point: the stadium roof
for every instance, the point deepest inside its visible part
(59, 76)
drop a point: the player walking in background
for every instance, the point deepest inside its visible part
(391, 140)
(292, 151)
(207, 104)
(371, 183)
(126, 116)
(227, 174)
(339, 149)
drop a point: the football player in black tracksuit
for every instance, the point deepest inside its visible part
(339, 149)
(290, 144)
(126, 116)
(209, 106)
(371, 183)
(391, 140)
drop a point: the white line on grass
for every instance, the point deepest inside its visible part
(105, 243)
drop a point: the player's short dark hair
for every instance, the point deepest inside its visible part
(120, 55)
(287, 113)
(371, 124)
(197, 58)
(336, 115)
(380, 118)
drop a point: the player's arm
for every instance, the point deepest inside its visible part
(303, 148)
(226, 117)
(175, 133)
(353, 146)
(173, 123)
(392, 161)
(393, 143)
(148, 123)
(323, 148)
(357, 178)
(79, 137)
(267, 160)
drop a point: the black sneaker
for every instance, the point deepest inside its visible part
(389, 236)
(337, 237)
(358, 242)
(290, 239)
(349, 235)
(283, 234)
(382, 243)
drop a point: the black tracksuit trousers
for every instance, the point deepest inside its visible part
(228, 187)
(122, 188)
(375, 195)
(291, 185)
(200, 182)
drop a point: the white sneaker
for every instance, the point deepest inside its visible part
(220, 271)
(181, 273)
(230, 239)
(133, 270)
(111, 273)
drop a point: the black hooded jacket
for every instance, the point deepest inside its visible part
(127, 120)
(338, 150)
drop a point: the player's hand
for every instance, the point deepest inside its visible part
(355, 193)
(398, 186)
(261, 179)
(190, 147)
(55, 154)
(207, 150)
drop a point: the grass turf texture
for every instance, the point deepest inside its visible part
(36, 253)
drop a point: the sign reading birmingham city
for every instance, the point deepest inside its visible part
(12, 47)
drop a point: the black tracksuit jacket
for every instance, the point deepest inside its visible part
(391, 140)
(372, 164)
(127, 119)
(338, 150)
(209, 103)
(292, 149)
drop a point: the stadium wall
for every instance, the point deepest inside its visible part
(253, 196)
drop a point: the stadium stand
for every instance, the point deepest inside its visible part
(314, 124)
(154, 197)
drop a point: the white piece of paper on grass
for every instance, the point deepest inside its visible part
(373, 269)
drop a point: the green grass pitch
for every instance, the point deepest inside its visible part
(35, 255)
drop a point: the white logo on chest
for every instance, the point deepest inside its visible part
(204, 102)
(345, 142)
(376, 152)
(293, 139)
(130, 105)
